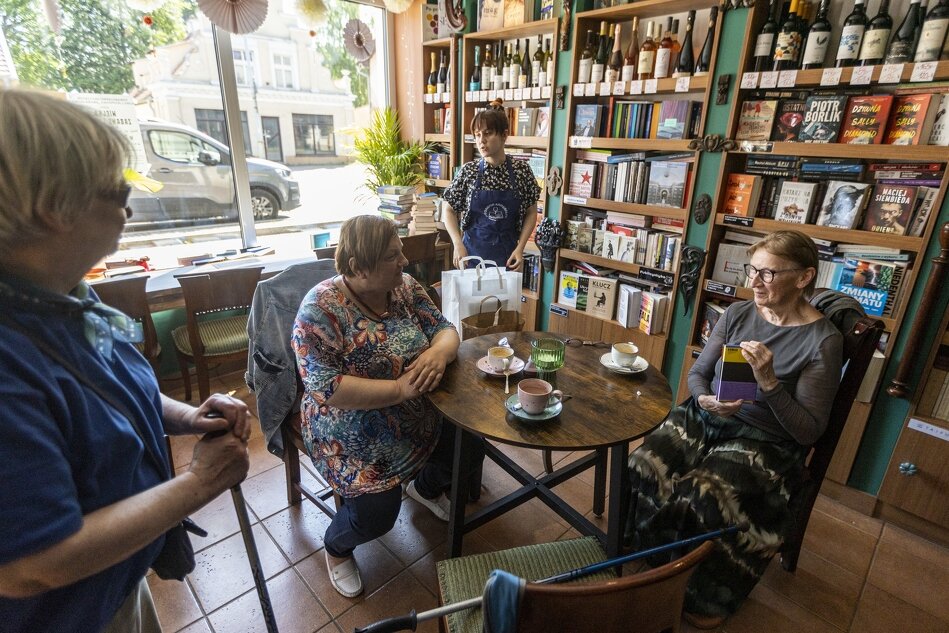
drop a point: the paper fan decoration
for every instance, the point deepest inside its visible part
(145, 6)
(235, 16)
(397, 6)
(312, 11)
(358, 40)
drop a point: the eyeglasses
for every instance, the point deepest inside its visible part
(119, 196)
(579, 342)
(766, 274)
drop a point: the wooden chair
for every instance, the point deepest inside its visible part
(646, 602)
(326, 252)
(128, 295)
(211, 333)
(292, 447)
(420, 251)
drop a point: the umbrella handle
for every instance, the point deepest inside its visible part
(400, 623)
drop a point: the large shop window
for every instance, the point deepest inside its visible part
(211, 122)
(313, 134)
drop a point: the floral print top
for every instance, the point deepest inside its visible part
(364, 451)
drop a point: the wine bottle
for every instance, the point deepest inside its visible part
(538, 68)
(524, 77)
(602, 53)
(442, 74)
(516, 64)
(549, 63)
(487, 68)
(852, 35)
(873, 48)
(906, 36)
(585, 67)
(510, 79)
(787, 47)
(475, 83)
(764, 43)
(632, 53)
(646, 65)
(818, 39)
(431, 85)
(615, 66)
(686, 63)
(676, 47)
(664, 55)
(704, 62)
(933, 34)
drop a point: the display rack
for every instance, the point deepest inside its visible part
(436, 102)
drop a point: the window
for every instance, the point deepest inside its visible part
(211, 122)
(179, 146)
(244, 69)
(313, 134)
(283, 71)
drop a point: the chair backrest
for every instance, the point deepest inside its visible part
(325, 252)
(216, 291)
(128, 295)
(420, 251)
(647, 602)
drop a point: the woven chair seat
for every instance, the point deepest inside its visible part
(220, 336)
(464, 578)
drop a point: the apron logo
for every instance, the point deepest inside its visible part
(495, 212)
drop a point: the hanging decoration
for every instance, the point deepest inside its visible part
(313, 11)
(397, 6)
(147, 20)
(235, 16)
(145, 6)
(358, 41)
(51, 8)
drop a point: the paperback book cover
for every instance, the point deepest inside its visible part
(889, 209)
(542, 122)
(911, 119)
(940, 132)
(583, 292)
(843, 202)
(866, 120)
(652, 312)
(567, 294)
(730, 264)
(737, 378)
(611, 245)
(581, 179)
(713, 313)
(586, 120)
(602, 297)
(526, 121)
(926, 200)
(795, 202)
(866, 281)
(788, 120)
(628, 303)
(673, 118)
(667, 181)
(756, 120)
(823, 116)
(741, 194)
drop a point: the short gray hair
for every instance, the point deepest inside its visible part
(55, 157)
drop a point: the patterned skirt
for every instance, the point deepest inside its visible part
(698, 472)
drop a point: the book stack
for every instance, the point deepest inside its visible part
(396, 203)
(423, 215)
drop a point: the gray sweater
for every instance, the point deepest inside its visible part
(807, 363)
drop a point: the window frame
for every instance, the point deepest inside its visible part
(311, 121)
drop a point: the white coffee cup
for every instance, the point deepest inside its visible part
(535, 395)
(624, 354)
(497, 356)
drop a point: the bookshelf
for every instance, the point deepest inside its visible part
(735, 162)
(609, 139)
(440, 125)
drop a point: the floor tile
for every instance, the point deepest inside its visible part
(416, 532)
(882, 612)
(906, 564)
(201, 626)
(855, 519)
(219, 519)
(768, 611)
(174, 602)
(397, 597)
(266, 493)
(298, 530)
(840, 542)
(295, 608)
(823, 588)
(260, 458)
(532, 522)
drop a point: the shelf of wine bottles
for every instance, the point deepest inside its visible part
(509, 70)
(853, 76)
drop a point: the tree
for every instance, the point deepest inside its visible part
(97, 43)
(333, 53)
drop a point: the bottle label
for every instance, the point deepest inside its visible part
(611, 75)
(850, 40)
(874, 44)
(596, 75)
(583, 74)
(542, 78)
(439, 87)
(930, 40)
(815, 52)
(788, 47)
(506, 75)
(550, 69)
(535, 68)
(900, 52)
(647, 61)
(628, 72)
(522, 81)
(763, 44)
(474, 85)
(663, 55)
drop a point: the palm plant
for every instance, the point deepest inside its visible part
(389, 159)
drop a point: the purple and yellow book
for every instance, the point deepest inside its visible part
(738, 380)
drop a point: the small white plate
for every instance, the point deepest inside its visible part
(639, 365)
(516, 365)
(514, 407)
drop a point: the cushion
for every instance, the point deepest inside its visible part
(220, 336)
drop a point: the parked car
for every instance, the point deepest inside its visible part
(198, 185)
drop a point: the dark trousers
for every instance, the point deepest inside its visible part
(367, 517)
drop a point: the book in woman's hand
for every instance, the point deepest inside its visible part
(737, 379)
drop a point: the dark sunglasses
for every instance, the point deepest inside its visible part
(120, 197)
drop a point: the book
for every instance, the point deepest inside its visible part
(889, 209)
(842, 204)
(514, 12)
(602, 297)
(581, 179)
(567, 293)
(586, 120)
(795, 201)
(611, 245)
(667, 182)
(626, 249)
(822, 118)
(583, 292)
(866, 119)
(911, 119)
(756, 120)
(526, 121)
(741, 194)
(926, 199)
(788, 120)
(673, 118)
(491, 16)
(939, 135)
(713, 311)
(628, 303)
(652, 312)
(730, 264)
(542, 121)
(867, 281)
(585, 239)
(737, 381)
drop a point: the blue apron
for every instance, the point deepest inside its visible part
(493, 233)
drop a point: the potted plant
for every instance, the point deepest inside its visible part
(390, 159)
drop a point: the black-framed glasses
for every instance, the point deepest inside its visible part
(766, 274)
(120, 196)
(578, 342)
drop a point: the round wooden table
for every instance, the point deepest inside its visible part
(606, 411)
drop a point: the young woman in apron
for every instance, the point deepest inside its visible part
(490, 208)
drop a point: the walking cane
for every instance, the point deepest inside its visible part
(409, 622)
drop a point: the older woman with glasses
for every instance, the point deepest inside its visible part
(84, 479)
(714, 463)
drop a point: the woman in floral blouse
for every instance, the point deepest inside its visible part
(369, 342)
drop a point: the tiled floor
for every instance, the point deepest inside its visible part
(856, 574)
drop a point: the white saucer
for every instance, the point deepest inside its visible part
(639, 365)
(516, 365)
(550, 412)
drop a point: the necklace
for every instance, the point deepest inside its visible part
(365, 306)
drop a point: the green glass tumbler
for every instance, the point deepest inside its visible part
(547, 356)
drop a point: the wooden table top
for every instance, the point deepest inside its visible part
(606, 407)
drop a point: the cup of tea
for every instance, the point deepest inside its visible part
(624, 354)
(497, 356)
(535, 395)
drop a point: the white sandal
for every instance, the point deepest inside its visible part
(345, 577)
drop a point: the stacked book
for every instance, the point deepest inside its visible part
(396, 203)
(423, 215)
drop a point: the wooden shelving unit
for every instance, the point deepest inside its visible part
(436, 102)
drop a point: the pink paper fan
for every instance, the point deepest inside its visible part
(235, 16)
